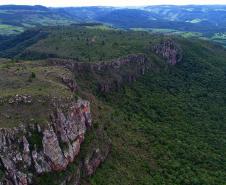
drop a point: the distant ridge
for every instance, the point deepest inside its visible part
(23, 7)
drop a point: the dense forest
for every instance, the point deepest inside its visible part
(166, 126)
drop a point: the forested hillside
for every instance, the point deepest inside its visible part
(208, 22)
(148, 108)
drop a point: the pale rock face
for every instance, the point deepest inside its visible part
(66, 129)
(71, 84)
(40, 164)
(93, 161)
(22, 178)
(73, 150)
(169, 50)
(26, 152)
(53, 151)
(116, 71)
(75, 123)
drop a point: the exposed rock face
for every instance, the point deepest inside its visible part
(110, 75)
(29, 151)
(116, 64)
(93, 161)
(114, 74)
(61, 141)
(169, 50)
(53, 151)
(71, 84)
(33, 150)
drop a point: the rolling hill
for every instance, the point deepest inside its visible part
(207, 22)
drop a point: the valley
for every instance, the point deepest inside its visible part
(200, 21)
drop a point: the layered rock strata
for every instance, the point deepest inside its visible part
(109, 75)
(31, 150)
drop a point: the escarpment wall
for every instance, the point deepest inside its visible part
(138, 60)
(169, 50)
(113, 74)
(33, 150)
(108, 75)
(28, 151)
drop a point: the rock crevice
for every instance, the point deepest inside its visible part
(61, 141)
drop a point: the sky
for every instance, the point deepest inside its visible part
(64, 3)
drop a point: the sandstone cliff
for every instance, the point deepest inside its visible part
(169, 50)
(108, 75)
(32, 150)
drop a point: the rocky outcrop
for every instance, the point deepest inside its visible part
(21, 151)
(26, 99)
(169, 50)
(109, 75)
(70, 83)
(30, 151)
(116, 64)
(94, 160)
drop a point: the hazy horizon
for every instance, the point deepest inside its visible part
(116, 3)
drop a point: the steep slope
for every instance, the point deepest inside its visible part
(169, 126)
(157, 105)
(43, 125)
